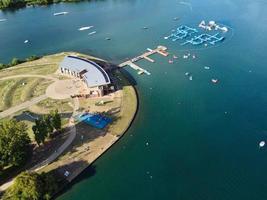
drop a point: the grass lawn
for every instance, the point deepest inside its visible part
(16, 91)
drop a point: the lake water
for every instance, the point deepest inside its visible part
(202, 137)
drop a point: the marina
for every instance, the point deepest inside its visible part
(160, 50)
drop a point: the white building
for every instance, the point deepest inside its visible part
(93, 75)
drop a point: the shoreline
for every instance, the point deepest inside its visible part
(79, 172)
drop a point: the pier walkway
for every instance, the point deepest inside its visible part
(160, 50)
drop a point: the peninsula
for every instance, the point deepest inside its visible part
(94, 100)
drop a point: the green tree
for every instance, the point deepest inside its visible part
(49, 125)
(14, 143)
(32, 186)
(40, 131)
(56, 120)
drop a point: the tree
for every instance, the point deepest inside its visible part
(32, 186)
(56, 120)
(49, 125)
(14, 143)
(40, 131)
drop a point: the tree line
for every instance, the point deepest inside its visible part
(21, 3)
(16, 61)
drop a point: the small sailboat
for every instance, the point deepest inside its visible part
(175, 18)
(175, 57)
(206, 67)
(92, 33)
(26, 41)
(261, 144)
(107, 38)
(214, 80)
(60, 13)
(187, 73)
(3, 20)
(170, 61)
(85, 28)
(145, 27)
(166, 38)
(190, 78)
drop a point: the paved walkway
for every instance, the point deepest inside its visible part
(62, 148)
(22, 106)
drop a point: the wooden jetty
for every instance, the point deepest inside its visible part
(160, 50)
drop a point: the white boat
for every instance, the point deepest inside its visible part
(187, 73)
(190, 78)
(214, 80)
(262, 144)
(26, 41)
(2, 20)
(85, 28)
(206, 67)
(60, 13)
(92, 33)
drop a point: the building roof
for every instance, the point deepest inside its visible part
(93, 74)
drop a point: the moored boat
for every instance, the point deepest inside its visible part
(60, 13)
(214, 80)
(92, 33)
(85, 28)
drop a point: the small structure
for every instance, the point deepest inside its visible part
(94, 77)
(95, 120)
(212, 26)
